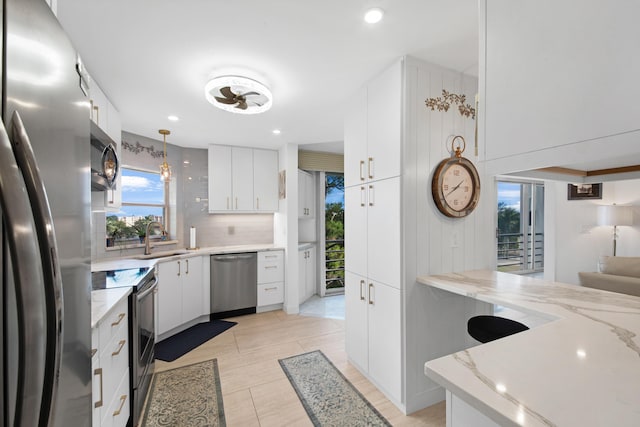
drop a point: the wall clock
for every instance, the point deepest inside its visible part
(456, 184)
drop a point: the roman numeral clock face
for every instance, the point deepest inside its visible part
(456, 187)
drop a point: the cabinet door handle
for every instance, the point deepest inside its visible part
(370, 293)
(361, 170)
(363, 197)
(120, 346)
(270, 266)
(187, 261)
(227, 203)
(258, 203)
(361, 290)
(270, 289)
(236, 203)
(98, 403)
(93, 351)
(371, 193)
(370, 167)
(120, 317)
(271, 256)
(123, 399)
(178, 268)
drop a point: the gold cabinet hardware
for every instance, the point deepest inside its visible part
(227, 203)
(371, 195)
(370, 293)
(178, 268)
(363, 197)
(187, 261)
(120, 346)
(361, 290)
(270, 266)
(236, 203)
(370, 167)
(258, 203)
(99, 403)
(93, 351)
(120, 317)
(361, 170)
(123, 399)
(270, 289)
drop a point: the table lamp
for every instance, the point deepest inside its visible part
(615, 215)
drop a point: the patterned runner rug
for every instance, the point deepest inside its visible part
(327, 396)
(187, 396)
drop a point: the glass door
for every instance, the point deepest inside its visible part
(334, 233)
(520, 232)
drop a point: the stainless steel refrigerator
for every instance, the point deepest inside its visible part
(45, 229)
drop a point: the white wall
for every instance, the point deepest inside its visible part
(433, 243)
(560, 82)
(578, 240)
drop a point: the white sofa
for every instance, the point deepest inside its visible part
(617, 274)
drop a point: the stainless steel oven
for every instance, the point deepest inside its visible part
(143, 341)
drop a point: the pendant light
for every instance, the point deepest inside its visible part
(165, 169)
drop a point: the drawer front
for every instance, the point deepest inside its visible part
(110, 325)
(270, 267)
(117, 415)
(114, 360)
(270, 256)
(270, 293)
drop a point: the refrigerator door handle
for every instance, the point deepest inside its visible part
(48, 250)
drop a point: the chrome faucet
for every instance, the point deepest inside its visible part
(147, 244)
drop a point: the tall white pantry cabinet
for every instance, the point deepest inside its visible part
(373, 136)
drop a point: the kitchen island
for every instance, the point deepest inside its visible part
(580, 369)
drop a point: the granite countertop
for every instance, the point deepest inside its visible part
(139, 261)
(103, 300)
(581, 369)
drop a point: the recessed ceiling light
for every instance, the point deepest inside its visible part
(186, 162)
(173, 118)
(276, 131)
(373, 15)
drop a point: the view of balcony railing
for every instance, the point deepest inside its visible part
(334, 258)
(515, 255)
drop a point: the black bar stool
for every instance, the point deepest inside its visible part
(489, 328)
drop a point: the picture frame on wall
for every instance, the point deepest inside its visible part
(584, 191)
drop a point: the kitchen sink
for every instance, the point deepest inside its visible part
(162, 254)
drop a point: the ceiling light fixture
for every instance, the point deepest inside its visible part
(373, 16)
(238, 95)
(276, 131)
(173, 118)
(165, 169)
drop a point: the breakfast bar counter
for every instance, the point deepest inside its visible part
(580, 369)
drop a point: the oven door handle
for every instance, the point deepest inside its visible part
(151, 288)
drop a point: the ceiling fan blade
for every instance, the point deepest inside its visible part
(225, 100)
(226, 91)
(250, 93)
(242, 105)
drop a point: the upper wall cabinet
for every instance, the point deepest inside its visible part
(306, 195)
(242, 180)
(372, 133)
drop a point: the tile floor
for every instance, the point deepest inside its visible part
(256, 391)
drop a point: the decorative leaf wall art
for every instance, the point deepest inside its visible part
(444, 103)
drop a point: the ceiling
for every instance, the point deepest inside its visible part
(153, 59)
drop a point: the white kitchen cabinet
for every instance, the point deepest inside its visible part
(373, 331)
(306, 195)
(265, 180)
(99, 105)
(270, 279)
(242, 179)
(306, 273)
(110, 367)
(181, 292)
(373, 130)
(372, 230)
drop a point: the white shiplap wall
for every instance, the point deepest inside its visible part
(432, 242)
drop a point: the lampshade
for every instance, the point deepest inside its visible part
(615, 215)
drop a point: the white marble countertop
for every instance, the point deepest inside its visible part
(136, 261)
(581, 369)
(103, 300)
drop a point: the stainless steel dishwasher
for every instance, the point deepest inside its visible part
(234, 284)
